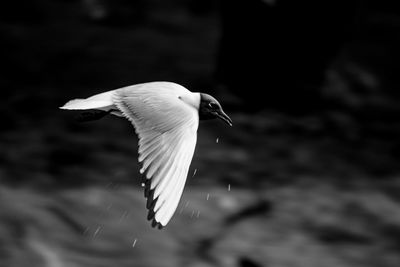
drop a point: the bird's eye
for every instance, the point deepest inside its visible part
(213, 105)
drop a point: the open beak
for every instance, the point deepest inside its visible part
(220, 114)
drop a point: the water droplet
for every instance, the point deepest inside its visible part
(191, 216)
(123, 216)
(198, 214)
(97, 231)
(187, 204)
(194, 173)
(208, 196)
(229, 187)
(134, 243)
(143, 184)
(217, 140)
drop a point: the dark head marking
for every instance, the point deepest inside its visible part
(210, 108)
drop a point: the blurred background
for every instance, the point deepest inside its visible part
(307, 176)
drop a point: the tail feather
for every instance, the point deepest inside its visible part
(101, 101)
(82, 104)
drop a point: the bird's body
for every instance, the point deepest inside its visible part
(165, 116)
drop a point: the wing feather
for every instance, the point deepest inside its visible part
(173, 190)
(167, 128)
(176, 194)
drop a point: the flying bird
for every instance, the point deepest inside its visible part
(165, 116)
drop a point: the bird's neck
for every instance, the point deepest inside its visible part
(192, 99)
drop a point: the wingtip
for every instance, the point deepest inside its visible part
(149, 194)
(157, 225)
(150, 215)
(151, 202)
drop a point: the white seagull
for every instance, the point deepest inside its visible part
(165, 116)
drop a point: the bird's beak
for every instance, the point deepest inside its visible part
(220, 114)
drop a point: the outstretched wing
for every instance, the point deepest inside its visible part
(167, 130)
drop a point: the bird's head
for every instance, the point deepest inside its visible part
(210, 108)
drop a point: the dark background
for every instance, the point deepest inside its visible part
(307, 176)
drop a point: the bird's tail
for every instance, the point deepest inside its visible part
(101, 101)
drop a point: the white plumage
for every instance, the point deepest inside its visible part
(165, 116)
